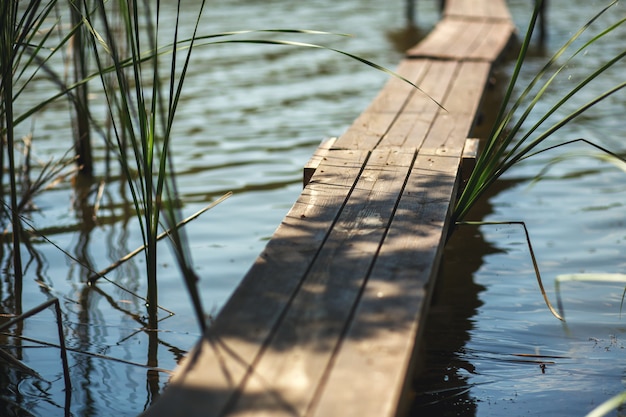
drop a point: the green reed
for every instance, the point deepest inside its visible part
(20, 43)
(81, 124)
(29, 44)
(9, 55)
(121, 45)
(142, 95)
(511, 139)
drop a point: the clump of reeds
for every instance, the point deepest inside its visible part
(121, 44)
(142, 93)
(28, 44)
(511, 140)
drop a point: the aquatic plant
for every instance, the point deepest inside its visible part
(511, 140)
(32, 42)
(14, 35)
(142, 100)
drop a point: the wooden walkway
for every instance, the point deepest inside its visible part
(327, 320)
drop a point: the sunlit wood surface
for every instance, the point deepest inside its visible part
(327, 320)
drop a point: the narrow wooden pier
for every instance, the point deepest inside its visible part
(327, 321)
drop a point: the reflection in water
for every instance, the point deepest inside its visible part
(90, 329)
(412, 14)
(441, 384)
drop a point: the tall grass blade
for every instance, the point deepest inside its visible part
(554, 312)
(348, 54)
(92, 279)
(143, 102)
(504, 148)
(9, 50)
(82, 117)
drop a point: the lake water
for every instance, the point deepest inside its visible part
(250, 119)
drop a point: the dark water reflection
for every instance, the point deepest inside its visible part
(443, 386)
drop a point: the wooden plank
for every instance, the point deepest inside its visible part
(314, 162)
(495, 41)
(413, 123)
(232, 345)
(463, 40)
(468, 158)
(285, 380)
(445, 37)
(450, 128)
(367, 130)
(434, 86)
(467, 89)
(382, 338)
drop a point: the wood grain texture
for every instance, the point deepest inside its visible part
(465, 40)
(314, 162)
(368, 129)
(209, 380)
(495, 41)
(380, 341)
(452, 126)
(297, 356)
(411, 126)
(327, 320)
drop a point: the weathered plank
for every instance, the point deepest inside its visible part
(451, 127)
(413, 123)
(367, 130)
(210, 377)
(380, 341)
(494, 42)
(314, 162)
(298, 355)
(328, 318)
(464, 39)
(468, 158)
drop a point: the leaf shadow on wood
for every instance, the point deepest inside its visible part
(342, 285)
(345, 282)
